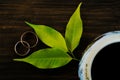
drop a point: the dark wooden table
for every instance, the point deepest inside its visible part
(99, 16)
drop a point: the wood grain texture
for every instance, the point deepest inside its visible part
(99, 16)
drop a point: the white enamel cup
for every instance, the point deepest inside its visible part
(84, 71)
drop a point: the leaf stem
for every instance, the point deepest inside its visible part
(73, 56)
(75, 59)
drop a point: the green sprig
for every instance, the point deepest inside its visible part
(60, 48)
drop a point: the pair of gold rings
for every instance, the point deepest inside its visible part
(27, 41)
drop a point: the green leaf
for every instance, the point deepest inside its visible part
(47, 58)
(74, 30)
(49, 36)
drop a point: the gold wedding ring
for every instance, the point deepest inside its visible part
(29, 37)
(27, 40)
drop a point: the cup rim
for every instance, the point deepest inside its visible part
(85, 64)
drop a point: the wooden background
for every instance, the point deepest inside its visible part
(99, 16)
